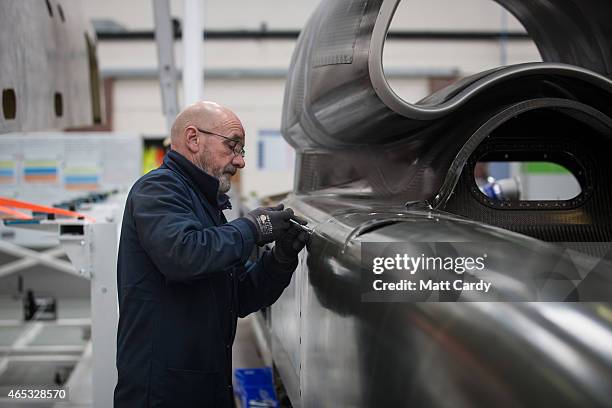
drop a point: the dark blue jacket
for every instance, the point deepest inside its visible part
(183, 279)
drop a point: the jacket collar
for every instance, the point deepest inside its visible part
(205, 183)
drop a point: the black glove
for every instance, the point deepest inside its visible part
(287, 247)
(270, 223)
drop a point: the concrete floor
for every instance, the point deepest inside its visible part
(245, 352)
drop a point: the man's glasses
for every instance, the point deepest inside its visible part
(235, 145)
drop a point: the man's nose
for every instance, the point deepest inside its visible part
(238, 161)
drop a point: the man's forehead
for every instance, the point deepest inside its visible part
(232, 129)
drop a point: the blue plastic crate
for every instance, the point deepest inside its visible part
(255, 387)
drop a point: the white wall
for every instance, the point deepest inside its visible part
(292, 14)
(218, 14)
(217, 54)
(460, 15)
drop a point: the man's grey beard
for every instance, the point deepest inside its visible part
(223, 175)
(224, 183)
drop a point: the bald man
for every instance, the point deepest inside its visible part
(182, 273)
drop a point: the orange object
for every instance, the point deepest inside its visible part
(9, 202)
(15, 214)
(41, 178)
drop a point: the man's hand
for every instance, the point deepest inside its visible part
(271, 223)
(287, 247)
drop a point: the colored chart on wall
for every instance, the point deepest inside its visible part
(40, 171)
(7, 172)
(48, 168)
(82, 178)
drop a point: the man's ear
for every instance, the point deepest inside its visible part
(191, 139)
